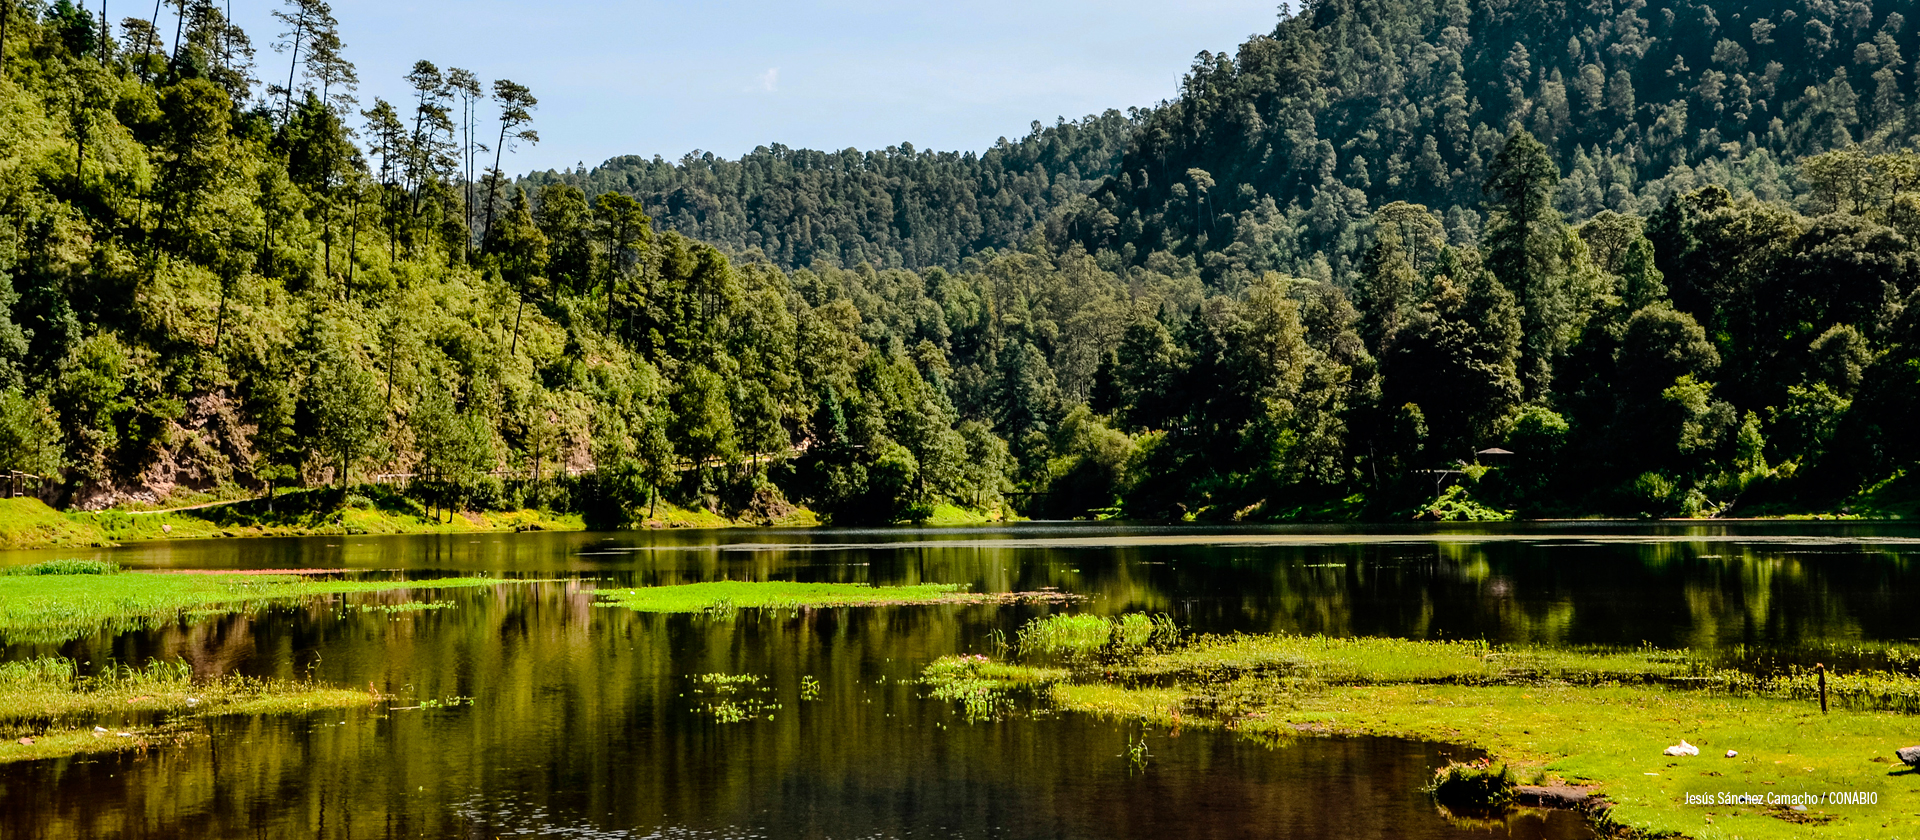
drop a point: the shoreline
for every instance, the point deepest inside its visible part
(31, 525)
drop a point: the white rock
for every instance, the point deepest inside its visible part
(1732, 753)
(1683, 748)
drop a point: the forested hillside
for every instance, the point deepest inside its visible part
(898, 208)
(215, 286)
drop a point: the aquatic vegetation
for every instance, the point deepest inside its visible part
(49, 706)
(724, 596)
(1137, 754)
(436, 703)
(981, 686)
(734, 698)
(809, 689)
(408, 607)
(1065, 634)
(50, 608)
(1083, 633)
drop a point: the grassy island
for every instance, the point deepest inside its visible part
(66, 599)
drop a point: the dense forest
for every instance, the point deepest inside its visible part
(1684, 288)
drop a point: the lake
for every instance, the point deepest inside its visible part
(542, 714)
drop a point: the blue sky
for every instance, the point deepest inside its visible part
(639, 77)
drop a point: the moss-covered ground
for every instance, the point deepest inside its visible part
(1599, 718)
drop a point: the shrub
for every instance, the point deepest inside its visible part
(1472, 786)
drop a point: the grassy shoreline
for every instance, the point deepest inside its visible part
(31, 524)
(1589, 718)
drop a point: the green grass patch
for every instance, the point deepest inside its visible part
(328, 511)
(947, 516)
(49, 710)
(41, 608)
(1599, 718)
(727, 595)
(29, 523)
(668, 515)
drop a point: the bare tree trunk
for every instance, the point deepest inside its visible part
(466, 156)
(299, 27)
(353, 244)
(179, 26)
(146, 49)
(515, 344)
(493, 182)
(220, 321)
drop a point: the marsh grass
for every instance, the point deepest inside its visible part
(1064, 634)
(52, 608)
(53, 705)
(65, 567)
(1081, 633)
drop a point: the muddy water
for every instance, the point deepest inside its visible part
(545, 715)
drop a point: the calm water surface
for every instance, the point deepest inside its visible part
(584, 720)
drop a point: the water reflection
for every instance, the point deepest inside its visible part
(581, 723)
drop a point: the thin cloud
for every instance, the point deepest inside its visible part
(770, 80)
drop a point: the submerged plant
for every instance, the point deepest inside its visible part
(809, 688)
(410, 606)
(734, 698)
(1137, 754)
